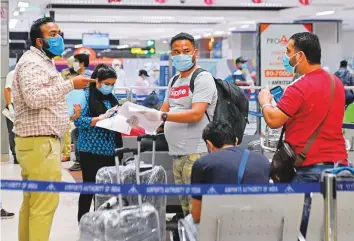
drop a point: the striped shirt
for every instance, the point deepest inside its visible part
(39, 94)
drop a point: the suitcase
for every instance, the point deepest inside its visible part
(115, 221)
(149, 174)
(187, 229)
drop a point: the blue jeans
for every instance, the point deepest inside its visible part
(308, 174)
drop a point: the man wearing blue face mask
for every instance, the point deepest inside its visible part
(311, 111)
(240, 76)
(184, 111)
(41, 119)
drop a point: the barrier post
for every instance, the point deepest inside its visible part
(329, 192)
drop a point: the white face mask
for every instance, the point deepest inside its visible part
(76, 66)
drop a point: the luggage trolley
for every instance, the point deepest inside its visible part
(269, 141)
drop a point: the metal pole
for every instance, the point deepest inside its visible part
(329, 191)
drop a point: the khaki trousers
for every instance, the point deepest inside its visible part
(39, 158)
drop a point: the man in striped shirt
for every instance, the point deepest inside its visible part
(41, 119)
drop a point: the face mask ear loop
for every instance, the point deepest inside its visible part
(297, 62)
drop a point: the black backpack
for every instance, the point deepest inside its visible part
(232, 105)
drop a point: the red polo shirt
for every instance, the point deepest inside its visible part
(306, 102)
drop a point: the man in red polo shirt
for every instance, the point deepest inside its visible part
(304, 105)
(302, 108)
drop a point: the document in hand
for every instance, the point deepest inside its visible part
(116, 123)
(129, 109)
(8, 114)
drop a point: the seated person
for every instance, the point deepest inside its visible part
(221, 165)
(161, 143)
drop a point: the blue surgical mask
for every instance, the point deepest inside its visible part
(56, 45)
(244, 66)
(182, 62)
(286, 63)
(106, 89)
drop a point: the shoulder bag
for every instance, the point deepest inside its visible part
(285, 159)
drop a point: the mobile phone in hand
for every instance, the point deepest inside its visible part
(277, 92)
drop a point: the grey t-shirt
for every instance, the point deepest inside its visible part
(186, 138)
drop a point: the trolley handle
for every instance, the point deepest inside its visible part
(268, 149)
(146, 136)
(126, 150)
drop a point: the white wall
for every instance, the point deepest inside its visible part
(348, 45)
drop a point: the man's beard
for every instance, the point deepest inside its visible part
(48, 53)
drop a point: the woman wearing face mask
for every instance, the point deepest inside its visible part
(97, 145)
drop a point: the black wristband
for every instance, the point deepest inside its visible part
(164, 117)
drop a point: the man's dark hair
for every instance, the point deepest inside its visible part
(36, 29)
(309, 44)
(83, 58)
(343, 64)
(183, 36)
(219, 133)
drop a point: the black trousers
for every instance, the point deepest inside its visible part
(90, 164)
(10, 126)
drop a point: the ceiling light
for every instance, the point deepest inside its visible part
(22, 4)
(197, 37)
(219, 32)
(232, 29)
(324, 13)
(12, 23)
(164, 42)
(22, 10)
(78, 46)
(245, 26)
(207, 34)
(16, 13)
(123, 46)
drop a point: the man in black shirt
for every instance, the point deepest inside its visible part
(222, 164)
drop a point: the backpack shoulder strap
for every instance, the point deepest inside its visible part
(194, 76)
(243, 164)
(175, 78)
(191, 84)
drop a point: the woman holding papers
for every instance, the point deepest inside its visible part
(96, 145)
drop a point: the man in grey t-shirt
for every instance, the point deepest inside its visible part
(184, 112)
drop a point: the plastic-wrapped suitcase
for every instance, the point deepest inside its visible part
(187, 229)
(149, 174)
(112, 222)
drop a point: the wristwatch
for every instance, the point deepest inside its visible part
(164, 117)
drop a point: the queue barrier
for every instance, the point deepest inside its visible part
(277, 222)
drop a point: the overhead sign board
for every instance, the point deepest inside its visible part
(272, 42)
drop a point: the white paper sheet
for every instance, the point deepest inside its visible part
(8, 114)
(116, 123)
(129, 109)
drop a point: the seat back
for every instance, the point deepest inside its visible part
(345, 217)
(130, 142)
(247, 139)
(251, 217)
